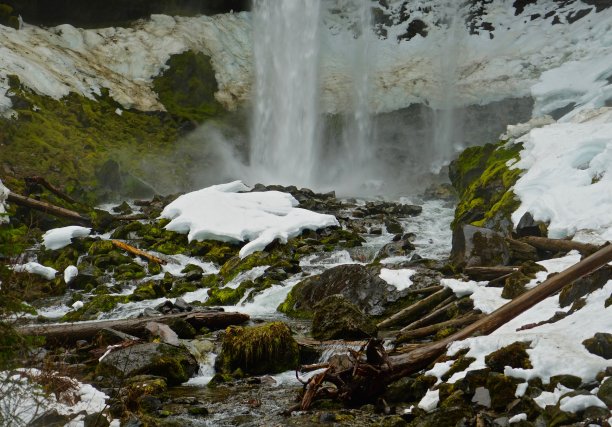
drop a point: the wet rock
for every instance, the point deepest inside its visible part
(175, 364)
(198, 410)
(605, 392)
(569, 381)
(360, 285)
(336, 318)
(183, 329)
(108, 336)
(513, 355)
(527, 226)
(162, 332)
(257, 350)
(400, 247)
(585, 286)
(476, 246)
(600, 344)
(148, 404)
(95, 420)
(393, 226)
(51, 418)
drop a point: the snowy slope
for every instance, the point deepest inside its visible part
(453, 65)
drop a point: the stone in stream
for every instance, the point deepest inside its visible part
(175, 364)
(360, 285)
(336, 318)
(257, 350)
(477, 246)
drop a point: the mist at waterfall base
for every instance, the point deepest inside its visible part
(354, 149)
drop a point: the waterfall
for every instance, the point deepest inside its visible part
(285, 135)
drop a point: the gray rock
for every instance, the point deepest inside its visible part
(175, 364)
(476, 246)
(336, 318)
(51, 418)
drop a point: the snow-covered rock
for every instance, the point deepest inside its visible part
(58, 238)
(227, 213)
(36, 268)
(4, 192)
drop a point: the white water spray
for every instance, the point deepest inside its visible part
(285, 140)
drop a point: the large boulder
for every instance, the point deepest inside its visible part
(175, 364)
(360, 285)
(336, 318)
(256, 350)
(477, 246)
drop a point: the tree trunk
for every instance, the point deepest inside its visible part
(559, 245)
(48, 208)
(411, 312)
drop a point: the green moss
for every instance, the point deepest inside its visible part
(14, 240)
(226, 296)
(148, 290)
(68, 140)
(187, 87)
(98, 304)
(288, 306)
(264, 349)
(483, 179)
(513, 355)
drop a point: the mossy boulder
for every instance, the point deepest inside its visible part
(175, 364)
(94, 307)
(605, 392)
(336, 318)
(513, 355)
(257, 350)
(483, 179)
(477, 246)
(600, 344)
(360, 285)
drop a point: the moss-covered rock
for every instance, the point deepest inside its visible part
(483, 180)
(187, 86)
(336, 318)
(256, 350)
(98, 304)
(513, 355)
(600, 344)
(175, 364)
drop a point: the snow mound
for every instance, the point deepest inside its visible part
(226, 213)
(568, 181)
(35, 268)
(70, 273)
(58, 238)
(398, 278)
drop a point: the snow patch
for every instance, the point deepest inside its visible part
(35, 268)
(486, 299)
(4, 192)
(226, 213)
(58, 238)
(398, 278)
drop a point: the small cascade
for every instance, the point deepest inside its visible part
(285, 139)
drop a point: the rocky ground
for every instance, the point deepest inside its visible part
(334, 300)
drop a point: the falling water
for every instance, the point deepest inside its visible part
(285, 139)
(446, 132)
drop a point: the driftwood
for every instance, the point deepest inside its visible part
(411, 312)
(368, 376)
(71, 332)
(48, 208)
(488, 273)
(131, 249)
(433, 316)
(426, 331)
(559, 245)
(44, 183)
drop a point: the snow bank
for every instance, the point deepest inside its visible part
(398, 278)
(57, 60)
(568, 178)
(4, 192)
(224, 212)
(58, 238)
(35, 268)
(553, 346)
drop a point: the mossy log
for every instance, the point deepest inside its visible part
(60, 333)
(433, 316)
(48, 208)
(138, 252)
(425, 331)
(372, 369)
(411, 312)
(559, 245)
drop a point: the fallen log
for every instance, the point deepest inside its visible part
(433, 316)
(44, 183)
(61, 333)
(138, 252)
(488, 273)
(411, 312)
(48, 208)
(367, 378)
(559, 245)
(425, 331)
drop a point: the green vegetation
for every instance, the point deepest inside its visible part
(265, 349)
(483, 179)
